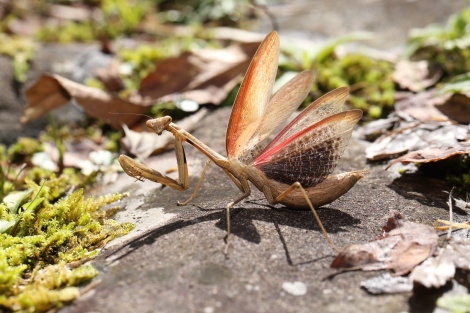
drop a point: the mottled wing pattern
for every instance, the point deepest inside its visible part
(327, 105)
(282, 104)
(310, 155)
(252, 97)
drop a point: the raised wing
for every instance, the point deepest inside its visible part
(310, 155)
(327, 105)
(252, 97)
(284, 102)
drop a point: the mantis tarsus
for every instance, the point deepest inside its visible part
(294, 168)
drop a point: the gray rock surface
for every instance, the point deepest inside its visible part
(174, 262)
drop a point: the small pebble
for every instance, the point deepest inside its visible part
(208, 309)
(296, 288)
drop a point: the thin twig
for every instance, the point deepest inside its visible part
(449, 233)
(271, 17)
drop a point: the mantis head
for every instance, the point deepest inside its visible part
(158, 125)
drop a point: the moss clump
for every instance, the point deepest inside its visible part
(21, 50)
(115, 18)
(369, 80)
(446, 48)
(43, 230)
(23, 149)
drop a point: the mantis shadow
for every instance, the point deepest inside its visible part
(242, 225)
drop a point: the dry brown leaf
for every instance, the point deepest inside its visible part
(109, 76)
(170, 76)
(403, 245)
(435, 272)
(457, 108)
(422, 106)
(205, 76)
(52, 91)
(415, 76)
(431, 106)
(415, 136)
(433, 154)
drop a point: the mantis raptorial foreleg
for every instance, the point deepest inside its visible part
(299, 186)
(141, 171)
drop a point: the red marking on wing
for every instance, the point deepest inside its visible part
(281, 105)
(327, 105)
(311, 154)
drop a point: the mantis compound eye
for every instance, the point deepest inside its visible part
(158, 125)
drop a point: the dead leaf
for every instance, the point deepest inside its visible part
(205, 76)
(435, 272)
(432, 106)
(403, 245)
(170, 76)
(52, 91)
(422, 106)
(414, 136)
(457, 108)
(433, 154)
(415, 76)
(144, 144)
(109, 76)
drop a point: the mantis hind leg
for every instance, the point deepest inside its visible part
(317, 218)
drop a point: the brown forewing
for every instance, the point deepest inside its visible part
(253, 96)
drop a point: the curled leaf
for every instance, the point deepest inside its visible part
(432, 154)
(402, 246)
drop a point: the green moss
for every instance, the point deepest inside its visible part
(48, 228)
(214, 12)
(44, 229)
(116, 18)
(369, 80)
(21, 50)
(446, 48)
(23, 149)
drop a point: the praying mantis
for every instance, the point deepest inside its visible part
(293, 169)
